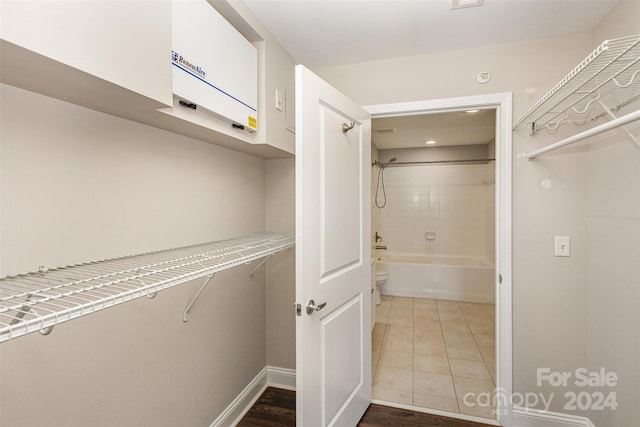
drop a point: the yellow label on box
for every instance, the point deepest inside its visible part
(252, 122)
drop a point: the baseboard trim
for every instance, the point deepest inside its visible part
(281, 378)
(269, 376)
(523, 417)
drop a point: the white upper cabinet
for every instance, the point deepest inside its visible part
(126, 43)
(115, 56)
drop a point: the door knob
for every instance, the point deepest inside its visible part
(311, 306)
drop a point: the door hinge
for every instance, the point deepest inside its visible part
(500, 279)
(298, 309)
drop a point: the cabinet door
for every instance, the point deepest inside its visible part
(127, 43)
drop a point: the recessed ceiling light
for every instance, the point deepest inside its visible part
(460, 4)
(430, 142)
(472, 111)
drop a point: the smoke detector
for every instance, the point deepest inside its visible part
(461, 4)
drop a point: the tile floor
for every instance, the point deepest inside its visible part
(430, 353)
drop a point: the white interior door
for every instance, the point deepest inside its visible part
(333, 255)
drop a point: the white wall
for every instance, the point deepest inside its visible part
(549, 296)
(280, 274)
(614, 248)
(78, 185)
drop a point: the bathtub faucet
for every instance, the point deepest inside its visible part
(378, 238)
(381, 247)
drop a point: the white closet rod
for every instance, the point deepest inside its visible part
(620, 121)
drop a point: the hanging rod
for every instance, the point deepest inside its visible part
(435, 162)
(39, 300)
(620, 121)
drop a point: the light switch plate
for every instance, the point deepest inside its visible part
(278, 100)
(562, 246)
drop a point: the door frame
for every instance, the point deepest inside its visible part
(502, 103)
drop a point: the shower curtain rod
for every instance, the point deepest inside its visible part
(428, 162)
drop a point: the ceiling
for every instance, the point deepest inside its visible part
(322, 33)
(452, 128)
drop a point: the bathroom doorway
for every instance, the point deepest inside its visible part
(441, 206)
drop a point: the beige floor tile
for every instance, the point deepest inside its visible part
(469, 307)
(386, 297)
(381, 315)
(379, 328)
(461, 339)
(419, 343)
(398, 359)
(424, 325)
(457, 327)
(469, 369)
(472, 386)
(400, 319)
(375, 355)
(402, 302)
(401, 312)
(478, 317)
(447, 307)
(451, 315)
(373, 372)
(400, 379)
(433, 364)
(434, 384)
(425, 314)
(491, 367)
(485, 340)
(399, 332)
(376, 342)
(424, 301)
(482, 328)
(427, 335)
(463, 351)
(489, 308)
(436, 402)
(488, 354)
(477, 410)
(397, 344)
(430, 348)
(385, 302)
(389, 394)
(425, 304)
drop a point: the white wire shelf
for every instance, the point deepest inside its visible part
(38, 301)
(603, 82)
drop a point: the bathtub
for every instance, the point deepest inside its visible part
(423, 276)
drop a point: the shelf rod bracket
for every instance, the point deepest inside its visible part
(628, 118)
(259, 265)
(632, 138)
(185, 316)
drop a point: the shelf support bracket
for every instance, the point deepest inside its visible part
(185, 316)
(259, 265)
(611, 115)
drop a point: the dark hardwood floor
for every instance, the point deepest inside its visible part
(277, 407)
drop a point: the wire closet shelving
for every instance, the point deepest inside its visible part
(601, 84)
(38, 301)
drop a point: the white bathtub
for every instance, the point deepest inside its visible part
(456, 278)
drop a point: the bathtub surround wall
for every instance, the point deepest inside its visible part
(439, 209)
(555, 309)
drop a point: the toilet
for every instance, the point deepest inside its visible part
(381, 278)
